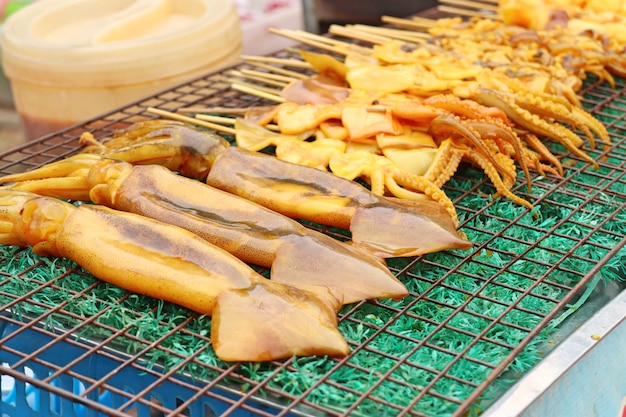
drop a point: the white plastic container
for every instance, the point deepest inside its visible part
(70, 60)
(258, 16)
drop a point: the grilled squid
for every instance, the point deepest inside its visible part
(252, 233)
(385, 227)
(254, 319)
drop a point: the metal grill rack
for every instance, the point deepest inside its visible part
(474, 321)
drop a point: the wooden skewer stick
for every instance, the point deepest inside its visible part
(222, 120)
(471, 4)
(218, 110)
(230, 121)
(324, 39)
(391, 32)
(400, 34)
(348, 32)
(264, 80)
(181, 118)
(258, 93)
(282, 71)
(297, 37)
(261, 74)
(321, 42)
(458, 11)
(416, 23)
(360, 35)
(267, 90)
(280, 61)
(336, 42)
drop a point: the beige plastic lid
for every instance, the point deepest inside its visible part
(117, 42)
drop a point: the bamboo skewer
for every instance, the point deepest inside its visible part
(358, 35)
(458, 11)
(326, 39)
(321, 42)
(401, 34)
(258, 93)
(415, 23)
(471, 4)
(181, 118)
(270, 76)
(219, 110)
(283, 71)
(322, 45)
(265, 80)
(230, 121)
(221, 120)
(280, 61)
(267, 90)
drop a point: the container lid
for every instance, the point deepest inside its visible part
(117, 42)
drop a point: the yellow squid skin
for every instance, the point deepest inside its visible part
(387, 228)
(296, 191)
(149, 257)
(252, 233)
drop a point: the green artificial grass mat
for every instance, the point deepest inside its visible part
(428, 352)
(466, 311)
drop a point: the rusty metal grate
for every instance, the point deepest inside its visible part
(474, 321)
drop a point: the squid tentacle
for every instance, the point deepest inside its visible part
(534, 123)
(574, 116)
(498, 131)
(535, 143)
(446, 161)
(501, 188)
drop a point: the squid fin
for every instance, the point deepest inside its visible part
(270, 321)
(351, 273)
(408, 230)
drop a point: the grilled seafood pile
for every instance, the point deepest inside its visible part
(403, 115)
(607, 17)
(252, 233)
(386, 227)
(558, 57)
(254, 319)
(312, 274)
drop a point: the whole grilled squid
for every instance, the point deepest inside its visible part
(252, 233)
(384, 226)
(254, 319)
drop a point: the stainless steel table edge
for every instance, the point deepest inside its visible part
(584, 376)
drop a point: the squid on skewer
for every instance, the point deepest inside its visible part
(388, 228)
(254, 319)
(252, 233)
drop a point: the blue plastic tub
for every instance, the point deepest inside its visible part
(30, 394)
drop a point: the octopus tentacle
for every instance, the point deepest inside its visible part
(445, 163)
(533, 161)
(508, 161)
(574, 116)
(538, 146)
(428, 188)
(448, 124)
(386, 176)
(501, 188)
(594, 124)
(468, 109)
(499, 131)
(541, 168)
(377, 182)
(534, 123)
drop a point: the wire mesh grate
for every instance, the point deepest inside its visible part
(473, 322)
